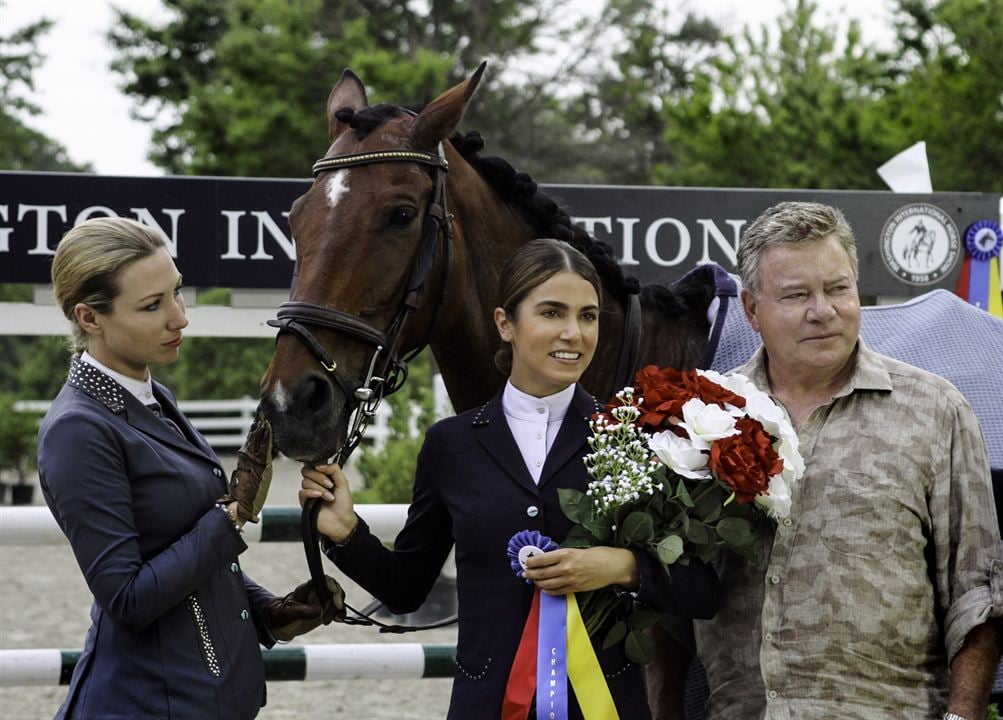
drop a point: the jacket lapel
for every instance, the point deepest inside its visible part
(193, 439)
(493, 433)
(572, 437)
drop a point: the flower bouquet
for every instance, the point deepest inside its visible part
(683, 465)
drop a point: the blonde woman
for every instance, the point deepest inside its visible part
(176, 625)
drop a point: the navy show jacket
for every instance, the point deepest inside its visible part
(176, 624)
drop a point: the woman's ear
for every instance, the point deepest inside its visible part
(503, 324)
(87, 318)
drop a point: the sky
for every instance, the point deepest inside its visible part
(85, 111)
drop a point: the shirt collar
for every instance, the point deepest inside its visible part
(869, 373)
(523, 406)
(142, 390)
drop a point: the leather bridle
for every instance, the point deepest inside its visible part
(387, 369)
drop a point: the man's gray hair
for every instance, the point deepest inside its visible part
(791, 222)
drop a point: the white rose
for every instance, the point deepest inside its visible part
(777, 502)
(707, 423)
(679, 455)
(787, 449)
(760, 407)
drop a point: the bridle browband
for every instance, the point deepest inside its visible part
(387, 369)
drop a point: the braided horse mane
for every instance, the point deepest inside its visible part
(550, 219)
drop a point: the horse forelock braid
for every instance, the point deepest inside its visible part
(366, 120)
(550, 218)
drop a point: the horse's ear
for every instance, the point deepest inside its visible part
(348, 93)
(441, 116)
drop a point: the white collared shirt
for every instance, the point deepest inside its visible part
(142, 390)
(534, 422)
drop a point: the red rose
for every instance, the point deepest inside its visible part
(745, 462)
(665, 392)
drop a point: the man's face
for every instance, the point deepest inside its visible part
(807, 309)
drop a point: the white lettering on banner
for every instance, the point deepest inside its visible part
(4, 232)
(265, 222)
(711, 230)
(232, 234)
(628, 240)
(146, 217)
(88, 212)
(651, 239)
(42, 234)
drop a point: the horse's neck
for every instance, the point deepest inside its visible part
(485, 233)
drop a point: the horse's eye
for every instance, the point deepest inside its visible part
(402, 216)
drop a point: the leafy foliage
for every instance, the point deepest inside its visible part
(21, 146)
(389, 472)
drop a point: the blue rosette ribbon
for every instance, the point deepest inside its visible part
(979, 283)
(554, 648)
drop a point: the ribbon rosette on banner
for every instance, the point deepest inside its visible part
(554, 648)
(979, 282)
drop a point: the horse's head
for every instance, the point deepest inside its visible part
(361, 253)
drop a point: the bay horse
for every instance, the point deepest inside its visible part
(392, 257)
(359, 241)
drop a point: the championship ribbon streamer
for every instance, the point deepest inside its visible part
(979, 282)
(554, 648)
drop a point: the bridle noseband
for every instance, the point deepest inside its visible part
(387, 369)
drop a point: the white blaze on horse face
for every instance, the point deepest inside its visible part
(280, 398)
(336, 187)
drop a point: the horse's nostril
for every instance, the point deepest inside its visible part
(315, 395)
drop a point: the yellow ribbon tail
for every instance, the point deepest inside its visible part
(995, 297)
(583, 669)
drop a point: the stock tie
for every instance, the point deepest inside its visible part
(155, 409)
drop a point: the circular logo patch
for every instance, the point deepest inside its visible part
(920, 244)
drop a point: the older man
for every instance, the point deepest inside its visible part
(880, 592)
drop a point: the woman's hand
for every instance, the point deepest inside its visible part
(337, 517)
(560, 572)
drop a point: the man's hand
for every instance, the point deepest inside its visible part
(300, 611)
(249, 483)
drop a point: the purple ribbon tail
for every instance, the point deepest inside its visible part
(552, 659)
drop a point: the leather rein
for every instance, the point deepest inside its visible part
(387, 370)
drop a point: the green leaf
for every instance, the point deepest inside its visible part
(615, 634)
(639, 647)
(669, 549)
(698, 532)
(643, 618)
(570, 500)
(638, 528)
(709, 499)
(683, 494)
(578, 537)
(736, 532)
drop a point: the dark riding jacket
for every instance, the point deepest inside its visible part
(175, 622)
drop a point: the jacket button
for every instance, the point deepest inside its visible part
(234, 567)
(532, 511)
(217, 472)
(244, 615)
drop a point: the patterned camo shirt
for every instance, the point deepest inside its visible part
(890, 556)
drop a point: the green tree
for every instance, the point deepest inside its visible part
(21, 146)
(797, 111)
(238, 87)
(950, 90)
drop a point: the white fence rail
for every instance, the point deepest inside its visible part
(225, 423)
